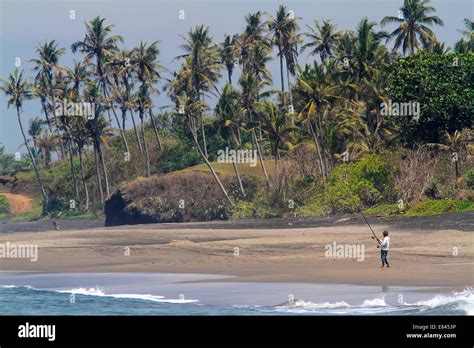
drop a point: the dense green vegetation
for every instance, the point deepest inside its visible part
(326, 138)
(4, 207)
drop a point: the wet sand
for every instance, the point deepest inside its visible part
(268, 250)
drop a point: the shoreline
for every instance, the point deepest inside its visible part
(203, 294)
(288, 253)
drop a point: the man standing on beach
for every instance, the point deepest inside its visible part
(384, 245)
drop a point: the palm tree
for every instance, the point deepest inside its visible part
(96, 128)
(101, 44)
(17, 89)
(274, 124)
(281, 27)
(228, 56)
(251, 86)
(46, 67)
(466, 44)
(142, 99)
(124, 85)
(454, 143)
(413, 25)
(126, 102)
(322, 39)
(438, 48)
(370, 126)
(228, 112)
(35, 128)
(192, 109)
(77, 76)
(80, 136)
(254, 35)
(319, 92)
(148, 71)
(290, 51)
(46, 143)
(260, 55)
(369, 53)
(204, 66)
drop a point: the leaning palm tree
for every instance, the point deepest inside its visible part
(17, 90)
(413, 25)
(322, 39)
(192, 109)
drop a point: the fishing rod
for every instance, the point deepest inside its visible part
(360, 212)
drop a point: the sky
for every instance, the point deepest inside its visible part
(26, 23)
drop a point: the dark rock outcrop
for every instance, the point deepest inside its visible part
(174, 197)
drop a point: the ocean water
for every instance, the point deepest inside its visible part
(198, 294)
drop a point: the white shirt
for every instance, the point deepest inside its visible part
(384, 245)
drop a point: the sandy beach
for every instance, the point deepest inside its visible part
(267, 252)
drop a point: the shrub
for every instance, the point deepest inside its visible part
(414, 174)
(360, 184)
(4, 206)
(177, 155)
(432, 191)
(469, 178)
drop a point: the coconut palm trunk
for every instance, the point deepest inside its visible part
(61, 144)
(104, 169)
(35, 167)
(147, 155)
(260, 156)
(121, 130)
(73, 174)
(192, 128)
(281, 75)
(203, 132)
(97, 172)
(83, 178)
(318, 149)
(135, 128)
(155, 129)
(237, 174)
(48, 121)
(289, 92)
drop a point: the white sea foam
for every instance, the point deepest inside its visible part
(376, 302)
(146, 297)
(16, 286)
(464, 301)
